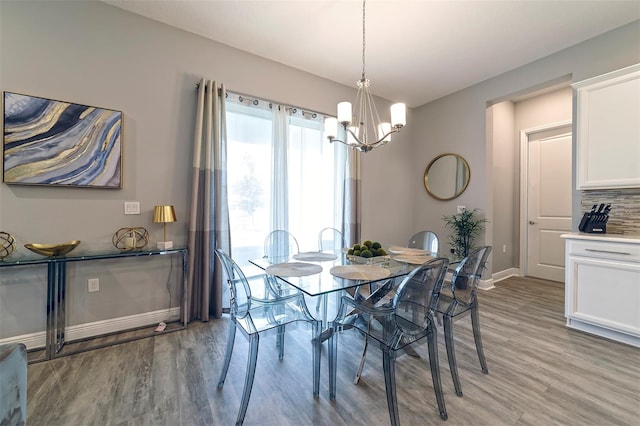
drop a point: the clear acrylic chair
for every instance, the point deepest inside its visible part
(458, 299)
(331, 240)
(255, 316)
(405, 317)
(425, 240)
(280, 246)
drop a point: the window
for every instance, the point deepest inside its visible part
(309, 190)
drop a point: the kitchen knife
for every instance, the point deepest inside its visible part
(600, 208)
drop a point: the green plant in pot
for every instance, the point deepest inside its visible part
(466, 226)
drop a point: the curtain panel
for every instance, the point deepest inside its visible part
(209, 210)
(280, 173)
(351, 195)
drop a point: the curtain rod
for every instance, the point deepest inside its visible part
(253, 98)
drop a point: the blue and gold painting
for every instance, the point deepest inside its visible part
(48, 142)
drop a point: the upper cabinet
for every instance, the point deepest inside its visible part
(608, 130)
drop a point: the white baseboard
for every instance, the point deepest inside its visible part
(31, 340)
(503, 275)
(97, 328)
(486, 284)
(498, 276)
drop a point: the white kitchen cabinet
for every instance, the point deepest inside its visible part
(602, 285)
(608, 130)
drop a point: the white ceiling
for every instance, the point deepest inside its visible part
(416, 50)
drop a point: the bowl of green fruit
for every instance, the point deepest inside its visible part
(367, 253)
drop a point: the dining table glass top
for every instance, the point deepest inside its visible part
(325, 273)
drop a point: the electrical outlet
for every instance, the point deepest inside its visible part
(131, 207)
(504, 248)
(460, 209)
(93, 285)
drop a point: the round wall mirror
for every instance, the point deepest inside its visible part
(447, 176)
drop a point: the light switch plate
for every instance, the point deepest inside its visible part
(131, 207)
(93, 285)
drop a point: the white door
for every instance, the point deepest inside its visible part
(548, 202)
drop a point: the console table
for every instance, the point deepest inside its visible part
(56, 297)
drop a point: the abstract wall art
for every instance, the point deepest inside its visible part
(49, 142)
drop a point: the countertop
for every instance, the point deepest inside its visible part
(617, 238)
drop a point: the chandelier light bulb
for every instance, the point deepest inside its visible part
(331, 127)
(344, 113)
(398, 115)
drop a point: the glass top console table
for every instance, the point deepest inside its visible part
(56, 301)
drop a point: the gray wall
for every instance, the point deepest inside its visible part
(505, 176)
(458, 123)
(95, 54)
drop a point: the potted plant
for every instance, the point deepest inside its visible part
(466, 226)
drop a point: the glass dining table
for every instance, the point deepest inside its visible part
(320, 274)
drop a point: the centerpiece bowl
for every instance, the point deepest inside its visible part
(52, 250)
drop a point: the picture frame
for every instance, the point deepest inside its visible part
(57, 143)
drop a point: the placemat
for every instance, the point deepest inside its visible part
(293, 269)
(360, 272)
(412, 259)
(407, 250)
(315, 256)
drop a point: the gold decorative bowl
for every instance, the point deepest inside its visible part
(54, 250)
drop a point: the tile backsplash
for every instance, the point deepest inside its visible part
(624, 217)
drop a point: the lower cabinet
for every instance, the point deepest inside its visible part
(602, 286)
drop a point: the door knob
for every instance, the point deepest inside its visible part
(531, 222)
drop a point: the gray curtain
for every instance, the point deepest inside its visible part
(352, 197)
(209, 210)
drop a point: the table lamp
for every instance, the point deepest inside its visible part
(164, 214)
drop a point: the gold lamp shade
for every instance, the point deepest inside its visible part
(164, 215)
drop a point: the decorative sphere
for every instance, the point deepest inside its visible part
(128, 239)
(7, 244)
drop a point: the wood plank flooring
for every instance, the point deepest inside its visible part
(540, 373)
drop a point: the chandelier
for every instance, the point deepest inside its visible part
(364, 130)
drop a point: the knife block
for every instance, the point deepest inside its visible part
(594, 223)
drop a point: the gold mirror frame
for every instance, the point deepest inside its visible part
(453, 178)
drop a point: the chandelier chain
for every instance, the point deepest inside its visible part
(363, 37)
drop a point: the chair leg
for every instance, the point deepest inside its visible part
(248, 380)
(356, 379)
(389, 368)
(227, 356)
(475, 324)
(280, 343)
(317, 353)
(451, 353)
(333, 363)
(435, 372)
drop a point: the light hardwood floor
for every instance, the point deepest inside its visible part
(540, 373)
